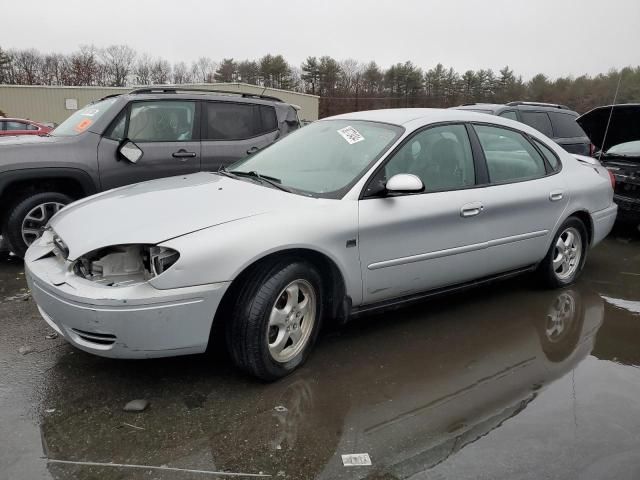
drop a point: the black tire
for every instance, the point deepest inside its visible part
(546, 271)
(247, 333)
(12, 229)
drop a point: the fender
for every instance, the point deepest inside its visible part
(87, 184)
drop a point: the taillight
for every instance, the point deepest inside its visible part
(592, 149)
(612, 177)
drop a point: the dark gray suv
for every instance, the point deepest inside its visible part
(145, 134)
(555, 121)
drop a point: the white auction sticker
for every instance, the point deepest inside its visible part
(351, 135)
(356, 460)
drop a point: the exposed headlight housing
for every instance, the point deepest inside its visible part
(125, 265)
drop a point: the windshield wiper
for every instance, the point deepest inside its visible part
(273, 181)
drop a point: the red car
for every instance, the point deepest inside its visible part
(18, 126)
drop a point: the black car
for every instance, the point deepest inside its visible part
(555, 121)
(615, 131)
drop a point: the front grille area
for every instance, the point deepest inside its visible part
(92, 337)
(628, 190)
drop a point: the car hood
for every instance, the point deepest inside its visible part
(158, 210)
(624, 126)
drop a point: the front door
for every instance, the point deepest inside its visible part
(167, 133)
(416, 242)
(233, 130)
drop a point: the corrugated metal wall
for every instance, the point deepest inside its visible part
(49, 104)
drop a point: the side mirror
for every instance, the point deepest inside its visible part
(130, 151)
(404, 183)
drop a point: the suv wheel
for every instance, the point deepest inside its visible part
(276, 319)
(28, 217)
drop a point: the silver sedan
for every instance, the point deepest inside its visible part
(350, 214)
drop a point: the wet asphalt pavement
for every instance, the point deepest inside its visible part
(506, 381)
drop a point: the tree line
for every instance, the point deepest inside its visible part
(343, 85)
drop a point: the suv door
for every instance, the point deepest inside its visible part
(233, 130)
(524, 201)
(167, 133)
(416, 242)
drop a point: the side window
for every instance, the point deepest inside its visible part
(116, 130)
(11, 125)
(510, 114)
(565, 125)
(2, 125)
(31, 127)
(538, 120)
(440, 156)
(549, 155)
(161, 121)
(510, 156)
(238, 121)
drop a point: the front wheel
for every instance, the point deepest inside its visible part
(276, 319)
(28, 217)
(566, 256)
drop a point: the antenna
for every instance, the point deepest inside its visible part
(606, 130)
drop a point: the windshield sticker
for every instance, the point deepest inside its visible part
(83, 125)
(90, 112)
(351, 135)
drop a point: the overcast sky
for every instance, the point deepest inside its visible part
(557, 37)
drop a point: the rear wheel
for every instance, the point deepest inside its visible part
(566, 256)
(276, 319)
(28, 217)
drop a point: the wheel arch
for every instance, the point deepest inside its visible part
(585, 217)
(338, 303)
(71, 181)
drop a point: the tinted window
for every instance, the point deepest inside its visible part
(510, 156)
(510, 114)
(11, 125)
(549, 155)
(31, 127)
(538, 120)
(237, 121)
(565, 125)
(161, 121)
(440, 156)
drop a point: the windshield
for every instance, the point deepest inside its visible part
(82, 119)
(627, 149)
(324, 158)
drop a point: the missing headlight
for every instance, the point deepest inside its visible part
(125, 264)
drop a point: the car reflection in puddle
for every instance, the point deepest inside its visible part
(411, 387)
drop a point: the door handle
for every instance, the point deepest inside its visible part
(555, 196)
(182, 153)
(252, 150)
(471, 209)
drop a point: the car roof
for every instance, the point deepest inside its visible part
(226, 97)
(531, 107)
(403, 116)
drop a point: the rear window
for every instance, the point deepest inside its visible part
(565, 125)
(549, 155)
(238, 121)
(538, 120)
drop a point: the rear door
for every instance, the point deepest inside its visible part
(568, 134)
(167, 133)
(233, 130)
(524, 201)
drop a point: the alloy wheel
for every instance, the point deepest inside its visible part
(567, 253)
(36, 220)
(291, 320)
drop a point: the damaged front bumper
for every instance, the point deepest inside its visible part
(137, 321)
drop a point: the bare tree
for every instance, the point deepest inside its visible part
(160, 72)
(118, 62)
(181, 73)
(203, 70)
(28, 64)
(142, 70)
